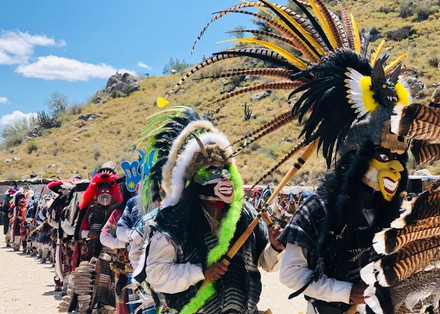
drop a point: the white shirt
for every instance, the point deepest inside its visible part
(164, 275)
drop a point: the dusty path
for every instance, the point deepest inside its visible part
(27, 287)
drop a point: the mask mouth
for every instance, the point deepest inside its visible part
(390, 186)
(104, 199)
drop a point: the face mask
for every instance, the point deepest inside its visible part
(384, 173)
(104, 197)
(215, 184)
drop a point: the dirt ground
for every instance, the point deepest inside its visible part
(27, 287)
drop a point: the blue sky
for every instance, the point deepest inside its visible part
(72, 47)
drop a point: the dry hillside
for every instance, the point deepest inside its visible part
(79, 146)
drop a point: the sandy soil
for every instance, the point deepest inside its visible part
(27, 287)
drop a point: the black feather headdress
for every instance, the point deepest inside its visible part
(344, 93)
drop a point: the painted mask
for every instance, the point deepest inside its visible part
(215, 184)
(104, 194)
(384, 173)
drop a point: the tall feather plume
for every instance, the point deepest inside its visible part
(327, 23)
(261, 53)
(347, 25)
(309, 52)
(342, 35)
(291, 21)
(223, 13)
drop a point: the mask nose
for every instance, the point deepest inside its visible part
(226, 175)
(396, 166)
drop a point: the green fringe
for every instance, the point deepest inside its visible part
(227, 230)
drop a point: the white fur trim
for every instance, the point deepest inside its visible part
(379, 241)
(368, 274)
(174, 151)
(184, 160)
(372, 301)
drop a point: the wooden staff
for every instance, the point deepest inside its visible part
(292, 171)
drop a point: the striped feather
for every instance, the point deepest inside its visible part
(260, 34)
(221, 14)
(424, 152)
(310, 54)
(347, 25)
(260, 53)
(262, 72)
(292, 23)
(296, 62)
(420, 122)
(341, 30)
(426, 205)
(281, 85)
(412, 258)
(391, 240)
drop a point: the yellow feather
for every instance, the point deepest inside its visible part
(402, 94)
(162, 102)
(300, 29)
(356, 37)
(377, 52)
(367, 94)
(324, 24)
(395, 62)
(291, 58)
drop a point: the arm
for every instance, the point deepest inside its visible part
(111, 242)
(163, 273)
(294, 274)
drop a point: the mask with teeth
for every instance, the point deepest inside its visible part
(384, 174)
(214, 184)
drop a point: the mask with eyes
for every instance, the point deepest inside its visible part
(384, 173)
(104, 194)
(215, 184)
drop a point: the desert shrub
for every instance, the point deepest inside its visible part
(75, 109)
(434, 61)
(31, 146)
(14, 133)
(406, 8)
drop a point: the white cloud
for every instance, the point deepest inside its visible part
(15, 116)
(18, 47)
(143, 65)
(59, 68)
(3, 100)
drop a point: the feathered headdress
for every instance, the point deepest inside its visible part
(184, 144)
(345, 93)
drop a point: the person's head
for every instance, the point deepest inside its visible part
(214, 183)
(384, 173)
(19, 199)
